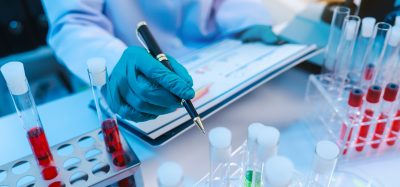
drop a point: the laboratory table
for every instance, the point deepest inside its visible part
(278, 103)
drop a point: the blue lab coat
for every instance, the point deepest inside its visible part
(81, 29)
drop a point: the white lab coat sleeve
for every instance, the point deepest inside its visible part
(79, 30)
(233, 16)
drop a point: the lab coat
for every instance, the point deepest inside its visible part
(81, 29)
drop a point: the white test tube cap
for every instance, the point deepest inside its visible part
(220, 139)
(279, 171)
(169, 174)
(252, 132)
(327, 153)
(394, 37)
(367, 26)
(351, 29)
(97, 69)
(397, 21)
(267, 140)
(14, 74)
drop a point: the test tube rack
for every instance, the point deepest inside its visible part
(326, 117)
(80, 161)
(235, 173)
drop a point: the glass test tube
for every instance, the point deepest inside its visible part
(370, 115)
(250, 151)
(353, 115)
(394, 131)
(267, 146)
(325, 159)
(374, 54)
(279, 172)
(390, 58)
(98, 79)
(335, 32)
(387, 109)
(170, 174)
(367, 29)
(220, 139)
(14, 75)
(395, 68)
(345, 51)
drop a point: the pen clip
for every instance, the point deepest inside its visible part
(140, 37)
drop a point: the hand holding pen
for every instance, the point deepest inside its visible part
(144, 35)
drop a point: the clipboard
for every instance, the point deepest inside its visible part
(222, 73)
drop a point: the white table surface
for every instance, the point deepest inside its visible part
(69, 117)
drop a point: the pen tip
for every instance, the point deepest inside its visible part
(199, 124)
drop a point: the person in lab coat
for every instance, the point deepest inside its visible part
(141, 88)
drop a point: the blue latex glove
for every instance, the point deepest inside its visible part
(259, 33)
(141, 88)
(391, 16)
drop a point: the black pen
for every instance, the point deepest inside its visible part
(144, 35)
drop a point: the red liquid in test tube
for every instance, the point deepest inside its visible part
(353, 114)
(40, 146)
(394, 130)
(113, 141)
(389, 98)
(371, 106)
(41, 150)
(379, 130)
(111, 136)
(127, 182)
(369, 72)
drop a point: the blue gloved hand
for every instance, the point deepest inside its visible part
(140, 88)
(259, 33)
(391, 16)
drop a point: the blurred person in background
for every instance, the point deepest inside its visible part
(140, 87)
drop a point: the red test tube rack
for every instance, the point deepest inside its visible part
(363, 125)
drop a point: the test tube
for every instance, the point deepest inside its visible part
(370, 115)
(353, 115)
(279, 172)
(367, 29)
(170, 174)
(395, 128)
(374, 54)
(98, 80)
(345, 51)
(394, 131)
(387, 108)
(390, 58)
(325, 159)
(249, 156)
(220, 152)
(14, 75)
(267, 147)
(339, 14)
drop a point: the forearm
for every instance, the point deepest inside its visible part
(78, 31)
(74, 44)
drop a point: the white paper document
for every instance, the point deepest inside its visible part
(220, 71)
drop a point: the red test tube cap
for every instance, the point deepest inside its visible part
(356, 97)
(391, 91)
(374, 94)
